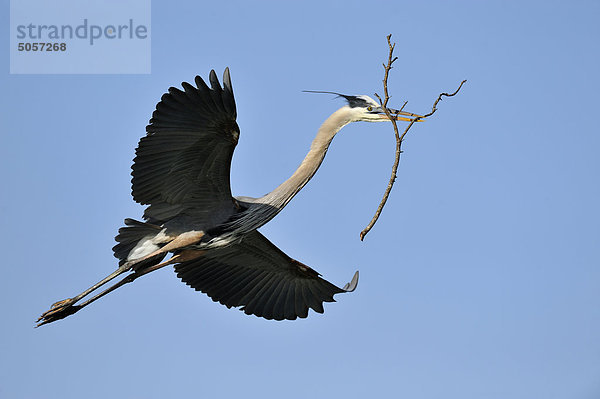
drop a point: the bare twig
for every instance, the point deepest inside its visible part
(399, 138)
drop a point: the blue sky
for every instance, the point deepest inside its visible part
(479, 281)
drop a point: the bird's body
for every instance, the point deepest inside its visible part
(181, 171)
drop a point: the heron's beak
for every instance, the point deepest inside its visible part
(396, 115)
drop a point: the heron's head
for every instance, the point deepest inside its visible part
(364, 108)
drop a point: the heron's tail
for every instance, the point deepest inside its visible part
(130, 235)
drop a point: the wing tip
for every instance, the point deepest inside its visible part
(351, 286)
(227, 79)
(214, 81)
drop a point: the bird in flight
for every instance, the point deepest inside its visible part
(181, 173)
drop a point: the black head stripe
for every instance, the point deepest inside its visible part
(353, 101)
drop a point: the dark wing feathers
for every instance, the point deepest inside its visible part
(182, 167)
(183, 163)
(257, 276)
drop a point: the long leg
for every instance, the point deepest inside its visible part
(72, 301)
(65, 303)
(183, 256)
(65, 308)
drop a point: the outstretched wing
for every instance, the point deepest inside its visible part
(258, 276)
(182, 165)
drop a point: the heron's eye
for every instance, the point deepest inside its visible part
(369, 108)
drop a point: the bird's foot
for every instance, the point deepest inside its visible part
(58, 310)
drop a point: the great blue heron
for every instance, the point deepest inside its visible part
(181, 171)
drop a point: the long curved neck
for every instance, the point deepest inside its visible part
(263, 209)
(280, 197)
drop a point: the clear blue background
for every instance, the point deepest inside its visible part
(481, 279)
